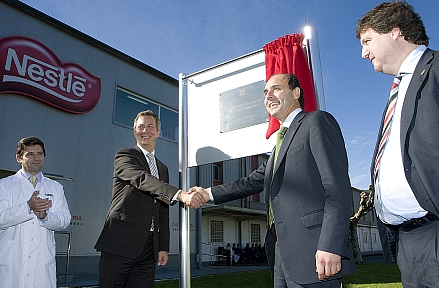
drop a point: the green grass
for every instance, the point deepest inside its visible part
(374, 275)
(368, 275)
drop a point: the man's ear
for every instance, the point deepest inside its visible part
(296, 93)
(395, 33)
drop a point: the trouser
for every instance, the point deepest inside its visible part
(418, 256)
(118, 271)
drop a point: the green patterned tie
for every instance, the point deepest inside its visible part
(33, 180)
(280, 138)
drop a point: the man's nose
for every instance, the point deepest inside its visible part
(364, 53)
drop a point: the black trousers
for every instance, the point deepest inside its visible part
(118, 271)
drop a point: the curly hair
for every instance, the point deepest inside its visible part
(396, 14)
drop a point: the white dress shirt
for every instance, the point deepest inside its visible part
(398, 203)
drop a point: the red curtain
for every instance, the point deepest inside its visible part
(286, 55)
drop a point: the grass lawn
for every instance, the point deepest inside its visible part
(368, 275)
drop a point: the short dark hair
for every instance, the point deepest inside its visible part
(293, 83)
(148, 113)
(396, 14)
(26, 142)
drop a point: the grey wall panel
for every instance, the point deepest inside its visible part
(82, 146)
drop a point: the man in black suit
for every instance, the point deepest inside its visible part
(405, 171)
(136, 232)
(307, 189)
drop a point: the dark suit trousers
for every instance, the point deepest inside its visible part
(418, 258)
(117, 271)
(281, 279)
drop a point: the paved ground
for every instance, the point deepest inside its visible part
(84, 271)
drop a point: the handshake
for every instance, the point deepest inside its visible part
(196, 197)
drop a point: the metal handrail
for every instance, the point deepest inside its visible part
(67, 253)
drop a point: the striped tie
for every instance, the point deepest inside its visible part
(154, 172)
(387, 121)
(152, 165)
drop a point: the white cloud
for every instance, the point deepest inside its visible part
(360, 150)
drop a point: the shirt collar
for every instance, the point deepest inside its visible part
(144, 151)
(26, 174)
(291, 117)
(409, 64)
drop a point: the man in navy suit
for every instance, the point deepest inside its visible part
(136, 232)
(405, 176)
(309, 191)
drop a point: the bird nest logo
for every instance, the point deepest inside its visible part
(29, 68)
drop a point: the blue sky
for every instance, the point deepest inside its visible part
(188, 36)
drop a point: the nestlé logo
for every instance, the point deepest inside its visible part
(29, 68)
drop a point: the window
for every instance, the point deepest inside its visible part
(255, 233)
(364, 236)
(217, 173)
(216, 231)
(128, 104)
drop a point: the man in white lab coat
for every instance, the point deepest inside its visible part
(32, 207)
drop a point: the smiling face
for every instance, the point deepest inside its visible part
(31, 159)
(279, 99)
(382, 50)
(146, 132)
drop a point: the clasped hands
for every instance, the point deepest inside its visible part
(196, 197)
(39, 205)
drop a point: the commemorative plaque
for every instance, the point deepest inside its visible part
(242, 107)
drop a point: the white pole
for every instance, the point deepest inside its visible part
(185, 252)
(311, 47)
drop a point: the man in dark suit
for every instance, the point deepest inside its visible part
(405, 171)
(136, 232)
(308, 189)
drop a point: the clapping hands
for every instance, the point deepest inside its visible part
(196, 197)
(39, 205)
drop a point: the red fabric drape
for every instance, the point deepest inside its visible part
(286, 55)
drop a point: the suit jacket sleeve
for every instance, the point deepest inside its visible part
(330, 156)
(128, 167)
(252, 184)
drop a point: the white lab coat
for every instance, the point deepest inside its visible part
(27, 244)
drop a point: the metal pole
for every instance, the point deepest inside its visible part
(312, 50)
(184, 175)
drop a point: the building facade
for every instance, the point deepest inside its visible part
(80, 97)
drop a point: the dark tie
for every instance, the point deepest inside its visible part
(385, 131)
(33, 180)
(280, 138)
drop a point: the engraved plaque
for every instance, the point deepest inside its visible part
(242, 107)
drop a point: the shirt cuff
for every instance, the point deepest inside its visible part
(175, 198)
(209, 190)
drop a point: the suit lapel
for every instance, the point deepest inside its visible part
(142, 158)
(408, 108)
(412, 94)
(288, 139)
